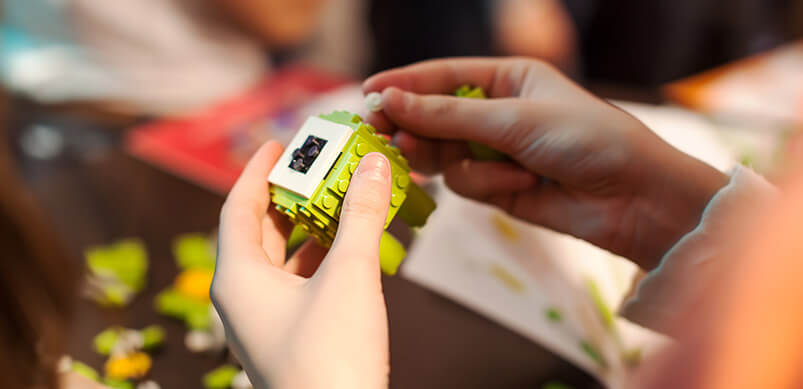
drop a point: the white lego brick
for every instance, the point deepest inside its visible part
(304, 184)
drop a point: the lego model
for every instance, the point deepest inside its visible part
(117, 272)
(310, 180)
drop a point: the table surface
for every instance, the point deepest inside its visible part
(96, 194)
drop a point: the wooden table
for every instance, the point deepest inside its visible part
(96, 194)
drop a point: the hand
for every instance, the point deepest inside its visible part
(582, 166)
(326, 331)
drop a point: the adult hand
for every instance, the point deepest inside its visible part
(290, 331)
(582, 166)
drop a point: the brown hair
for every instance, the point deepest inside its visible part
(36, 284)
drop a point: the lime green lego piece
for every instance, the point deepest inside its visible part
(479, 151)
(319, 215)
(391, 254)
(194, 251)
(118, 384)
(470, 92)
(125, 261)
(153, 337)
(297, 237)
(85, 370)
(194, 313)
(105, 341)
(220, 378)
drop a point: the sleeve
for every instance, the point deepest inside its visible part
(688, 268)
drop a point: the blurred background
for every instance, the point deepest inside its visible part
(130, 119)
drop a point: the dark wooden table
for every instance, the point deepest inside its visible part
(96, 194)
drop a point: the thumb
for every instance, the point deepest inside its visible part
(497, 123)
(365, 209)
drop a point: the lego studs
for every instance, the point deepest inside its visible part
(373, 101)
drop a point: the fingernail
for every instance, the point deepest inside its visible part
(374, 166)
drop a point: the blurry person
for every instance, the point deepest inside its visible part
(748, 333)
(37, 286)
(541, 29)
(147, 57)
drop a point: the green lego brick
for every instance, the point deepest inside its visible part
(153, 337)
(85, 370)
(105, 341)
(220, 378)
(194, 251)
(391, 254)
(118, 384)
(194, 313)
(319, 215)
(479, 151)
(125, 261)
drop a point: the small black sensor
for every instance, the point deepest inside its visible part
(304, 156)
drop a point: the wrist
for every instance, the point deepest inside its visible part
(675, 203)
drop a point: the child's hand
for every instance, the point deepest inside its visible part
(583, 167)
(289, 331)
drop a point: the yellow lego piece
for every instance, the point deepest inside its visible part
(195, 283)
(130, 366)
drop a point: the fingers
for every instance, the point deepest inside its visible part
(442, 76)
(365, 210)
(504, 124)
(276, 229)
(484, 180)
(243, 212)
(430, 156)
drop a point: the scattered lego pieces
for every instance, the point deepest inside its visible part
(507, 278)
(121, 341)
(220, 378)
(373, 102)
(553, 314)
(188, 298)
(594, 354)
(117, 272)
(194, 251)
(131, 366)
